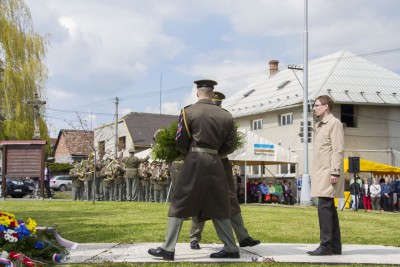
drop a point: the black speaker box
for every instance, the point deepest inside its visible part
(354, 164)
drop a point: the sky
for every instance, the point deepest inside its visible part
(149, 52)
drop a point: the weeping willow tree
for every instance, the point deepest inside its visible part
(23, 72)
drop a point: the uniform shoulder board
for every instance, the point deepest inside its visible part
(187, 106)
(226, 110)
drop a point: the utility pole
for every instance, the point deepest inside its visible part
(160, 91)
(116, 129)
(37, 104)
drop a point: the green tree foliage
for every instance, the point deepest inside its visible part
(23, 72)
(59, 168)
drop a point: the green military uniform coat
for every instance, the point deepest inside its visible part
(202, 187)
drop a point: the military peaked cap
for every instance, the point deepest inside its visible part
(218, 97)
(205, 83)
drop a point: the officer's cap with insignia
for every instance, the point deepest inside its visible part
(132, 150)
(205, 84)
(218, 97)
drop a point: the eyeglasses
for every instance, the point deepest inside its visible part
(316, 105)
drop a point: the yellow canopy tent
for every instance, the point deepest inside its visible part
(374, 167)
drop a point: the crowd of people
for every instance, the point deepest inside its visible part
(266, 192)
(383, 194)
(125, 179)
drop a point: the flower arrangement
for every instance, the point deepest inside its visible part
(26, 244)
(164, 147)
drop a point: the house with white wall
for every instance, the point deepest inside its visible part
(367, 101)
(135, 129)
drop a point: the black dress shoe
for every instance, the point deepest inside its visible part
(336, 251)
(223, 254)
(194, 244)
(248, 242)
(321, 251)
(159, 252)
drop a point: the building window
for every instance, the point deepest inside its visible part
(257, 170)
(348, 115)
(257, 124)
(285, 119)
(121, 143)
(102, 148)
(287, 168)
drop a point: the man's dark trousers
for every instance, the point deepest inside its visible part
(329, 223)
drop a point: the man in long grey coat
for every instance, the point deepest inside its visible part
(205, 131)
(326, 182)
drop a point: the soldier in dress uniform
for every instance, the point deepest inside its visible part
(109, 181)
(166, 178)
(196, 228)
(77, 183)
(132, 175)
(99, 180)
(89, 179)
(147, 173)
(157, 181)
(120, 189)
(205, 132)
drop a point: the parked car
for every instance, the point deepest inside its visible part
(61, 183)
(17, 187)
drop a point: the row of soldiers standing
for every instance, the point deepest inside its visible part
(123, 179)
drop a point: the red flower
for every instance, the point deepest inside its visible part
(14, 255)
(12, 224)
(28, 262)
(15, 235)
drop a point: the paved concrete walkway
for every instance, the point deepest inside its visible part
(288, 253)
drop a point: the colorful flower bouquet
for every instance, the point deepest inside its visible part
(25, 244)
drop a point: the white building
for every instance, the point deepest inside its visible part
(367, 100)
(134, 129)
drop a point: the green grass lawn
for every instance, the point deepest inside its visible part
(131, 222)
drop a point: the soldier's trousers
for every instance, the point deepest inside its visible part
(135, 189)
(151, 193)
(223, 228)
(157, 196)
(99, 189)
(163, 194)
(77, 193)
(146, 193)
(132, 186)
(196, 228)
(108, 193)
(89, 190)
(119, 192)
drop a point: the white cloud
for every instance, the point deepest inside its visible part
(100, 49)
(69, 24)
(171, 108)
(58, 95)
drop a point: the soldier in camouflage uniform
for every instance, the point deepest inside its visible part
(204, 133)
(132, 175)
